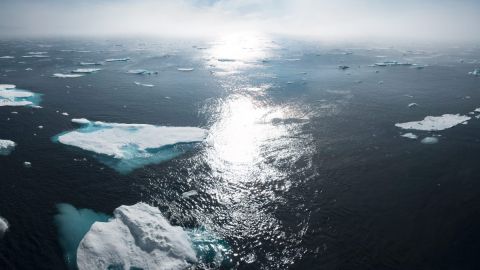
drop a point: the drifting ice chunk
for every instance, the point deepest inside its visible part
(3, 226)
(391, 63)
(6, 147)
(144, 84)
(91, 63)
(411, 105)
(185, 69)
(86, 70)
(475, 72)
(118, 59)
(435, 123)
(11, 96)
(27, 164)
(61, 75)
(7, 57)
(125, 147)
(429, 140)
(410, 136)
(142, 72)
(137, 237)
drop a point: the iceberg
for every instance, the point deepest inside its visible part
(62, 75)
(6, 147)
(125, 147)
(3, 226)
(11, 96)
(435, 123)
(118, 59)
(140, 237)
(86, 70)
(142, 72)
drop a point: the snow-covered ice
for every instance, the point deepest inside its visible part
(11, 96)
(435, 123)
(126, 147)
(6, 147)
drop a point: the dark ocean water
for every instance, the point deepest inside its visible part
(303, 167)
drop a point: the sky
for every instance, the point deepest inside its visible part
(450, 20)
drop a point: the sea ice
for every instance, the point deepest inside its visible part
(410, 136)
(117, 59)
(6, 147)
(125, 147)
(475, 72)
(142, 72)
(144, 84)
(391, 63)
(185, 69)
(3, 226)
(86, 70)
(7, 57)
(11, 96)
(429, 140)
(189, 193)
(435, 123)
(91, 63)
(61, 75)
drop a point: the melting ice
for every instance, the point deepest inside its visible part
(125, 147)
(11, 96)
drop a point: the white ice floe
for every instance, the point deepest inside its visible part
(475, 72)
(7, 57)
(86, 70)
(141, 72)
(118, 59)
(11, 96)
(144, 84)
(27, 164)
(435, 123)
(391, 63)
(429, 140)
(411, 105)
(185, 69)
(3, 226)
(410, 136)
(139, 237)
(91, 63)
(62, 75)
(6, 147)
(130, 146)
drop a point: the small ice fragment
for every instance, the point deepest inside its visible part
(3, 226)
(118, 59)
(435, 123)
(27, 164)
(142, 72)
(391, 63)
(429, 140)
(61, 75)
(475, 72)
(411, 105)
(144, 84)
(28, 69)
(7, 57)
(189, 193)
(185, 69)
(65, 114)
(91, 63)
(410, 136)
(86, 70)
(343, 67)
(6, 147)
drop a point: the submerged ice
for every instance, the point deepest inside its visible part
(125, 147)
(11, 96)
(140, 237)
(435, 123)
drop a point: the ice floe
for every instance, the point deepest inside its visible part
(391, 63)
(410, 136)
(144, 84)
(62, 75)
(6, 147)
(7, 57)
(140, 237)
(3, 226)
(27, 164)
(185, 69)
(412, 105)
(125, 147)
(91, 63)
(86, 70)
(118, 59)
(475, 72)
(11, 96)
(435, 123)
(429, 140)
(142, 72)
(189, 193)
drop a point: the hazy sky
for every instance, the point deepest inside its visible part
(344, 19)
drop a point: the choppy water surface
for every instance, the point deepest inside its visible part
(302, 166)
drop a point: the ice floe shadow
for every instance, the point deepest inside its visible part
(135, 237)
(126, 147)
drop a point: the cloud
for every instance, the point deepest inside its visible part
(340, 19)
